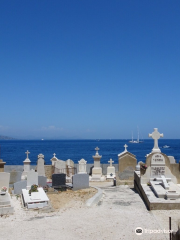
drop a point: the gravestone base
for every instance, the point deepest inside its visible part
(97, 178)
(5, 204)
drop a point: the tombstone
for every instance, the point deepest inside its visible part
(60, 166)
(58, 179)
(97, 170)
(82, 166)
(32, 178)
(172, 159)
(4, 180)
(156, 135)
(42, 181)
(27, 163)
(2, 165)
(15, 176)
(18, 186)
(40, 165)
(70, 168)
(111, 170)
(54, 159)
(126, 165)
(80, 181)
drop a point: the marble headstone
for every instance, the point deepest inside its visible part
(58, 179)
(80, 181)
(4, 180)
(82, 166)
(42, 181)
(32, 178)
(15, 176)
(18, 186)
(40, 165)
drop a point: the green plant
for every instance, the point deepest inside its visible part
(34, 188)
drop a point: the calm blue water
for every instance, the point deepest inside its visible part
(13, 151)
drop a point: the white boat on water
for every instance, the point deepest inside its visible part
(134, 141)
(166, 146)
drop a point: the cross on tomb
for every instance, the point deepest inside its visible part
(125, 146)
(54, 155)
(156, 135)
(164, 181)
(27, 153)
(111, 161)
(97, 149)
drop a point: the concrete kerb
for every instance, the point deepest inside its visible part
(95, 199)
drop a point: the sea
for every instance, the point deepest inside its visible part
(13, 151)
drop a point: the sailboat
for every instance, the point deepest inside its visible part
(133, 141)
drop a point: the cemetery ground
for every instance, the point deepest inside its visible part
(116, 216)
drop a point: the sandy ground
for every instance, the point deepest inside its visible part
(116, 216)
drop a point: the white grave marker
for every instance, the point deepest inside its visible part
(156, 135)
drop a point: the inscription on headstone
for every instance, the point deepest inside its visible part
(157, 165)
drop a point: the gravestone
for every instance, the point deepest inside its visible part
(4, 180)
(126, 165)
(54, 159)
(40, 165)
(58, 179)
(15, 176)
(97, 170)
(18, 186)
(82, 166)
(110, 170)
(157, 165)
(42, 181)
(27, 163)
(80, 181)
(156, 135)
(70, 168)
(32, 178)
(60, 166)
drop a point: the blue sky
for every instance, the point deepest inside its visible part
(89, 69)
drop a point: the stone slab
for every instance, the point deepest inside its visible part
(58, 179)
(42, 181)
(80, 181)
(18, 186)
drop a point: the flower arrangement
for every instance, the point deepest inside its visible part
(3, 189)
(34, 188)
(149, 184)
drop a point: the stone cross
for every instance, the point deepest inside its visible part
(97, 149)
(27, 153)
(125, 146)
(156, 135)
(111, 161)
(54, 155)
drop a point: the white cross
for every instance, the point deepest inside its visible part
(156, 135)
(97, 150)
(125, 147)
(111, 161)
(54, 155)
(27, 153)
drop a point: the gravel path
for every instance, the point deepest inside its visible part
(116, 216)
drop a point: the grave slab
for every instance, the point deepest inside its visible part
(80, 181)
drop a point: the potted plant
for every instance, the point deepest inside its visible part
(3, 190)
(143, 169)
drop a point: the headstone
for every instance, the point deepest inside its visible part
(82, 166)
(80, 181)
(15, 176)
(58, 179)
(126, 166)
(5, 204)
(156, 135)
(111, 170)
(60, 166)
(54, 159)
(40, 165)
(172, 159)
(18, 186)
(4, 180)
(42, 181)
(97, 170)
(27, 163)
(32, 178)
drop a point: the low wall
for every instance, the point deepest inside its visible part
(9, 168)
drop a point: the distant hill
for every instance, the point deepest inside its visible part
(6, 138)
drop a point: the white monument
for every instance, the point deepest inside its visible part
(110, 170)
(82, 166)
(40, 165)
(27, 163)
(54, 159)
(156, 135)
(97, 170)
